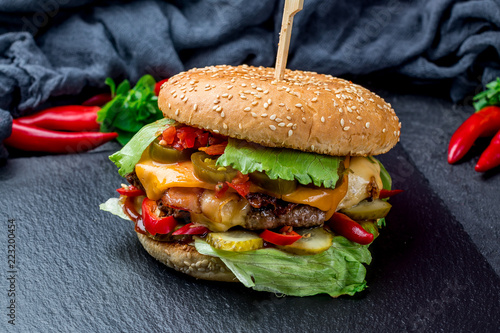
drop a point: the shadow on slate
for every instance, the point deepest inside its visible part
(80, 269)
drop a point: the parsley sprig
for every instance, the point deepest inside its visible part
(491, 96)
(130, 109)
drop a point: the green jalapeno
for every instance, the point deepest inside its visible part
(278, 186)
(205, 169)
(164, 154)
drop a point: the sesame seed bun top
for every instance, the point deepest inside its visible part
(306, 111)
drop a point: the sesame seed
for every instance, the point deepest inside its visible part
(247, 109)
(298, 105)
(290, 132)
(216, 131)
(349, 109)
(229, 87)
(266, 105)
(337, 95)
(214, 108)
(177, 112)
(222, 115)
(304, 119)
(367, 125)
(255, 103)
(266, 92)
(224, 125)
(230, 96)
(258, 96)
(172, 92)
(216, 101)
(243, 84)
(281, 124)
(272, 127)
(239, 126)
(314, 99)
(288, 117)
(219, 109)
(342, 122)
(269, 101)
(346, 128)
(294, 126)
(207, 85)
(322, 119)
(340, 110)
(383, 131)
(264, 115)
(359, 118)
(243, 97)
(282, 104)
(195, 107)
(254, 114)
(225, 95)
(312, 147)
(278, 120)
(169, 106)
(260, 89)
(272, 117)
(174, 95)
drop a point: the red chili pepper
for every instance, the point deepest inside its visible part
(490, 158)
(75, 118)
(98, 100)
(286, 236)
(221, 189)
(350, 229)
(152, 222)
(191, 229)
(483, 123)
(130, 191)
(32, 138)
(388, 193)
(158, 86)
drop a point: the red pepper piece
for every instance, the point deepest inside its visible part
(158, 86)
(483, 123)
(98, 100)
(350, 229)
(490, 158)
(221, 189)
(284, 238)
(240, 184)
(388, 193)
(169, 135)
(75, 118)
(217, 149)
(191, 229)
(152, 222)
(32, 138)
(130, 191)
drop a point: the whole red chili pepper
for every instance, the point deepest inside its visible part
(490, 158)
(98, 100)
(388, 193)
(483, 123)
(32, 138)
(350, 229)
(75, 118)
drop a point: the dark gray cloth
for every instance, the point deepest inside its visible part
(58, 47)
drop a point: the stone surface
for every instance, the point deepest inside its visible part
(435, 265)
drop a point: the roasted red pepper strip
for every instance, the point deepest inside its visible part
(152, 222)
(98, 100)
(191, 229)
(490, 158)
(483, 123)
(130, 191)
(388, 193)
(75, 118)
(350, 229)
(32, 138)
(283, 238)
(158, 86)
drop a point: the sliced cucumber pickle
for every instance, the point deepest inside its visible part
(278, 186)
(205, 169)
(368, 210)
(164, 154)
(236, 241)
(313, 241)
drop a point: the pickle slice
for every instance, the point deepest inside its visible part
(313, 241)
(368, 210)
(205, 169)
(278, 186)
(236, 241)
(164, 154)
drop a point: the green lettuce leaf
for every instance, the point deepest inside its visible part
(337, 271)
(113, 206)
(130, 154)
(288, 164)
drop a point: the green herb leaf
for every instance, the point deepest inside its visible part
(288, 164)
(337, 271)
(131, 153)
(130, 109)
(491, 96)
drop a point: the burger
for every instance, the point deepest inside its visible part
(269, 183)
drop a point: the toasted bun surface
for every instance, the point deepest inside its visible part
(306, 111)
(184, 258)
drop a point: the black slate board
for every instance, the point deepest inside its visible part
(80, 269)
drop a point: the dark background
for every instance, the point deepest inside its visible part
(436, 266)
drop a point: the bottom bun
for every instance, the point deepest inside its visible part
(184, 258)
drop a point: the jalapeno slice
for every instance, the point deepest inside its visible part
(205, 169)
(164, 154)
(278, 186)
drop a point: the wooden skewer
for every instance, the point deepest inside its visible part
(292, 7)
